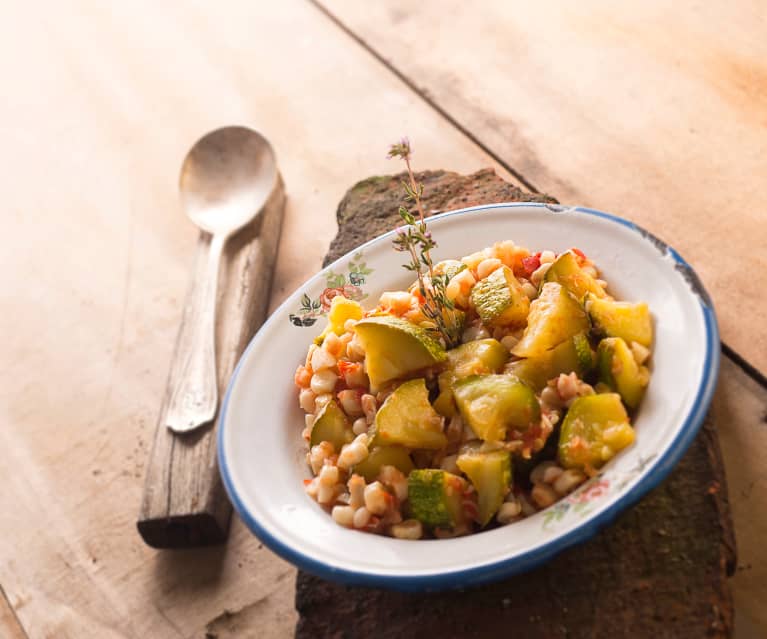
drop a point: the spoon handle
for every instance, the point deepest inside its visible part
(194, 398)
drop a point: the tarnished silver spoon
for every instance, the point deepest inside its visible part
(226, 179)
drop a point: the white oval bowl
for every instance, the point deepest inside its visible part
(262, 455)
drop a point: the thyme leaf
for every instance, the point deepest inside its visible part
(415, 239)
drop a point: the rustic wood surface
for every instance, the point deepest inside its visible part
(97, 261)
(661, 570)
(741, 402)
(184, 501)
(10, 628)
(656, 111)
(100, 104)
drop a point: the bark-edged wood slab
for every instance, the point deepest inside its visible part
(184, 502)
(660, 570)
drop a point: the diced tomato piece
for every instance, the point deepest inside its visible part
(531, 264)
(580, 255)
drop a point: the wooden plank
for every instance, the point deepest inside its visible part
(740, 410)
(184, 501)
(97, 262)
(10, 628)
(660, 570)
(101, 103)
(654, 112)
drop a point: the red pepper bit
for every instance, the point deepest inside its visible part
(470, 509)
(531, 264)
(416, 292)
(580, 255)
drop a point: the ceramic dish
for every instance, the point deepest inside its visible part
(262, 455)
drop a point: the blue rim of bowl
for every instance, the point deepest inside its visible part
(535, 557)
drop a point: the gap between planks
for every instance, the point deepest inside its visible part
(9, 620)
(423, 94)
(740, 361)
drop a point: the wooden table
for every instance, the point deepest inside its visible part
(657, 113)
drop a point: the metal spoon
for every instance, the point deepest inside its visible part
(226, 179)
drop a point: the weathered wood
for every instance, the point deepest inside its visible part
(10, 628)
(653, 112)
(659, 571)
(740, 412)
(184, 501)
(97, 262)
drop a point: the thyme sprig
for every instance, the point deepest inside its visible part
(415, 239)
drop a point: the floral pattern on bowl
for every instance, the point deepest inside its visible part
(583, 501)
(348, 285)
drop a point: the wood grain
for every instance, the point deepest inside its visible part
(184, 501)
(653, 112)
(660, 570)
(740, 411)
(101, 104)
(9, 624)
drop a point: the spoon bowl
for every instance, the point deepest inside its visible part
(226, 178)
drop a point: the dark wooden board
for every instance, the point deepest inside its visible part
(184, 502)
(660, 570)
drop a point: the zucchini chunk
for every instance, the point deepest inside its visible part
(595, 429)
(477, 358)
(407, 418)
(619, 370)
(555, 316)
(473, 358)
(572, 355)
(491, 404)
(395, 348)
(565, 271)
(490, 474)
(436, 498)
(381, 456)
(629, 321)
(332, 426)
(500, 299)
